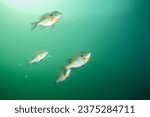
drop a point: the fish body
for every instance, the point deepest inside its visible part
(65, 73)
(78, 60)
(39, 57)
(48, 19)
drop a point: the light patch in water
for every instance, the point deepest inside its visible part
(20, 64)
(33, 6)
(26, 76)
(49, 56)
(23, 3)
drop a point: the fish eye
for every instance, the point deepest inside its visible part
(81, 55)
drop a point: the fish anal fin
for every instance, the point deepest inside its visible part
(75, 69)
(42, 27)
(34, 25)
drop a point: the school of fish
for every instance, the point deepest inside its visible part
(49, 20)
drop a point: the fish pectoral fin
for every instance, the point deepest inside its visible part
(67, 75)
(41, 60)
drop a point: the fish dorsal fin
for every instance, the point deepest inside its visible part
(37, 53)
(69, 60)
(73, 58)
(44, 16)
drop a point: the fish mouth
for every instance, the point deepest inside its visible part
(45, 53)
(87, 57)
(58, 16)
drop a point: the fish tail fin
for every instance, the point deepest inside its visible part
(57, 81)
(34, 25)
(28, 62)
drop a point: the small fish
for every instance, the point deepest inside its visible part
(78, 60)
(63, 75)
(39, 57)
(48, 19)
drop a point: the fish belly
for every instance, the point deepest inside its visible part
(45, 23)
(75, 65)
(37, 59)
(34, 61)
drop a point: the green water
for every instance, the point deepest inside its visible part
(116, 32)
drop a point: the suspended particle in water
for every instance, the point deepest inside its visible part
(26, 76)
(49, 56)
(20, 64)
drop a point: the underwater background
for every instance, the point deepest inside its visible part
(115, 32)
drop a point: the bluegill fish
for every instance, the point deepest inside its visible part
(39, 57)
(63, 75)
(78, 60)
(48, 19)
